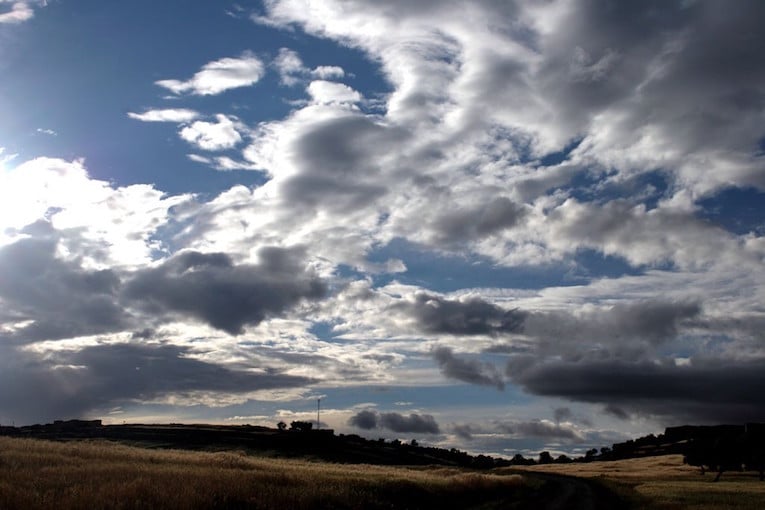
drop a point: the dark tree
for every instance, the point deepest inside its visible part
(301, 426)
(545, 458)
(281, 425)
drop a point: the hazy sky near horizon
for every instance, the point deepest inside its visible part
(497, 225)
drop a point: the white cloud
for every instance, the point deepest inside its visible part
(328, 72)
(179, 115)
(20, 11)
(213, 136)
(219, 76)
(223, 163)
(110, 226)
(327, 92)
(6, 158)
(290, 67)
(292, 70)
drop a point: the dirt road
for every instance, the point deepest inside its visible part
(560, 492)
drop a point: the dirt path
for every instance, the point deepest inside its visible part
(560, 492)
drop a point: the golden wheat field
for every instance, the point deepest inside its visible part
(36, 474)
(665, 482)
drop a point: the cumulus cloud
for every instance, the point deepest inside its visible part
(292, 71)
(479, 221)
(219, 76)
(51, 298)
(366, 420)
(328, 92)
(469, 371)
(328, 72)
(413, 423)
(177, 115)
(649, 323)
(469, 316)
(290, 67)
(98, 223)
(19, 12)
(213, 136)
(212, 288)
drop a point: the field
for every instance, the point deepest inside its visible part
(36, 474)
(665, 483)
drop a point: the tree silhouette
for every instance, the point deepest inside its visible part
(301, 426)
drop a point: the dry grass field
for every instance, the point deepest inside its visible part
(36, 474)
(666, 483)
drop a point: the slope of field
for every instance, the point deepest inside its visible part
(99, 474)
(665, 482)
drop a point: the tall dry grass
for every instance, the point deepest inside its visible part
(37, 474)
(665, 482)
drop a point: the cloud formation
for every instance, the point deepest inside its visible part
(213, 136)
(20, 10)
(73, 384)
(178, 115)
(413, 423)
(547, 186)
(211, 287)
(469, 371)
(50, 299)
(219, 76)
(470, 316)
(706, 389)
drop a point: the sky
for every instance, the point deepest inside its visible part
(502, 226)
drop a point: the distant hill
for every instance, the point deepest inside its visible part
(716, 448)
(296, 443)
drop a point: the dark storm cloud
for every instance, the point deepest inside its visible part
(61, 298)
(518, 429)
(396, 422)
(538, 428)
(626, 328)
(366, 420)
(709, 390)
(562, 413)
(469, 371)
(616, 412)
(473, 316)
(72, 384)
(467, 225)
(463, 431)
(212, 288)
(414, 423)
(140, 371)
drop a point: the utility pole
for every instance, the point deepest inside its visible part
(318, 413)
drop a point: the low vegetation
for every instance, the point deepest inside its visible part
(664, 482)
(36, 474)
